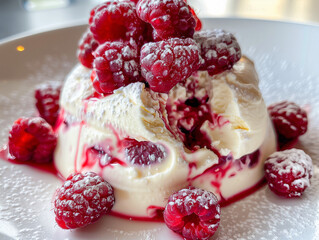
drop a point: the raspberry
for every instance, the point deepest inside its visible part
(47, 97)
(32, 139)
(87, 46)
(289, 119)
(193, 213)
(115, 20)
(82, 200)
(219, 49)
(288, 172)
(165, 63)
(169, 18)
(144, 152)
(116, 64)
(198, 21)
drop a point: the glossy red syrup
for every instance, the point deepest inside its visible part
(93, 154)
(155, 213)
(187, 117)
(45, 167)
(98, 154)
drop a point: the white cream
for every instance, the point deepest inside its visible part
(137, 113)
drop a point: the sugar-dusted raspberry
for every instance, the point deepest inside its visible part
(144, 152)
(116, 64)
(165, 63)
(47, 97)
(193, 213)
(82, 200)
(169, 18)
(219, 49)
(288, 172)
(289, 119)
(115, 20)
(87, 46)
(199, 25)
(32, 139)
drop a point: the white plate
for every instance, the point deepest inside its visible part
(286, 57)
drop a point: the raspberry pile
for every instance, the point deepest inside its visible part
(289, 119)
(288, 172)
(193, 213)
(32, 139)
(82, 200)
(166, 48)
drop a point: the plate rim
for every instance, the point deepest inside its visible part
(78, 23)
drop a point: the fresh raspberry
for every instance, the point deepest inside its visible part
(144, 152)
(116, 64)
(47, 97)
(198, 21)
(32, 139)
(115, 20)
(193, 213)
(82, 200)
(87, 46)
(219, 49)
(169, 18)
(165, 63)
(288, 172)
(289, 119)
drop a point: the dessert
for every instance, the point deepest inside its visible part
(198, 119)
(93, 134)
(152, 118)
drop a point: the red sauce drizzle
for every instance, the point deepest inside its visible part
(155, 213)
(45, 167)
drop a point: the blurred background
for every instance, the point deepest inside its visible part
(17, 16)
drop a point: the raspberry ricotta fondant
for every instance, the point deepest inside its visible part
(210, 132)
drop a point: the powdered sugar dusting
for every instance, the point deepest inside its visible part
(281, 162)
(259, 216)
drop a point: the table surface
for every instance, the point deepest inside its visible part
(15, 18)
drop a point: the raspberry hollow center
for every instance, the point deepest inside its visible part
(192, 219)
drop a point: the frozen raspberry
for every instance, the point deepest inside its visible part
(87, 46)
(219, 49)
(289, 119)
(193, 213)
(116, 64)
(32, 139)
(115, 20)
(47, 97)
(144, 152)
(169, 18)
(165, 63)
(82, 200)
(288, 172)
